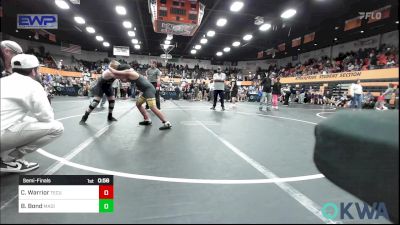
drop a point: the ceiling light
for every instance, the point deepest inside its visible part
(237, 6)
(265, 27)
(247, 37)
(211, 33)
(135, 41)
(336, 28)
(90, 30)
(79, 20)
(131, 33)
(193, 51)
(137, 46)
(198, 47)
(120, 10)
(167, 42)
(397, 22)
(227, 49)
(236, 44)
(169, 37)
(221, 22)
(288, 13)
(315, 44)
(362, 31)
(127, 24)
(99, 38)
(219, 54)
(106, 44)
(335, 39)
(298, 49)
(203, 41)
(62, 4)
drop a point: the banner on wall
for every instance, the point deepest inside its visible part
(46, 34)
(365, 42)
(121, 50)
(309, 37)
(71, 48)
(52, 37)
(296, 42)
(37, 21)
(70, 91)
(380, 14)
(352, 23)
(345, 76)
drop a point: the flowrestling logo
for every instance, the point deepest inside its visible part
(37, 21)
(372, 15)
(377, 210)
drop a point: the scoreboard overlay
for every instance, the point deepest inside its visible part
(66, 194)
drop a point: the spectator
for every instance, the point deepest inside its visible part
(302, 95)
(380, 104)
(276, 91)
(154, 76)
(266, 97)
(21, 94)
(116, 85)
(8, 50)
(234, 93)
(219, 88)
(357, 95)
(286, 92)
(388, 93)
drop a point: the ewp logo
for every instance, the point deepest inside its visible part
(372, 15)
(37, 21)
(331, 211)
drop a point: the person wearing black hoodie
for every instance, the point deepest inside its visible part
(276, 91)
(266, 97)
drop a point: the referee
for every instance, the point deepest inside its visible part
(153, 75)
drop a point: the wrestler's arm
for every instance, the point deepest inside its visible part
(125, 74)
(107, 75)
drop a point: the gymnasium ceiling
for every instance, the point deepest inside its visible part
(324, 17)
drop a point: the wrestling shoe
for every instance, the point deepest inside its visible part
(166, 125)
(110, 118)
(84, 118)
(145, 123)
(17, 166)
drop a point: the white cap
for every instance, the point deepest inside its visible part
(14, 46)
(24, 61)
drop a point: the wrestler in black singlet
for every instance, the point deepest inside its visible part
(103, 87)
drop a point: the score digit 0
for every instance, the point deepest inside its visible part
(106, 192)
